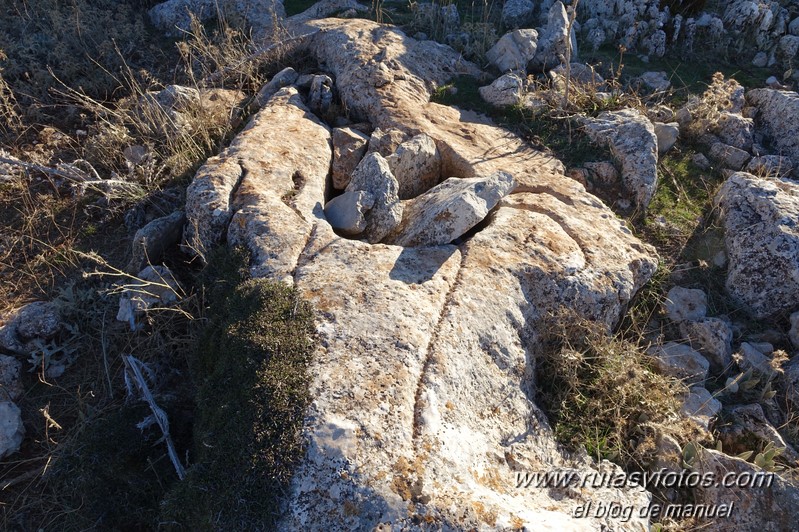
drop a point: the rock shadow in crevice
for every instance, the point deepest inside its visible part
(419, 265)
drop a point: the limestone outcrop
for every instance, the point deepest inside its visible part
(424, 383)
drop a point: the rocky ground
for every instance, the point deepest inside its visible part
(343, 266)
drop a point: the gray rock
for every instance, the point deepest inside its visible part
(770, 166)
(505, 91)
(790, 382)
(12, 431)
(10, 386)
(749, 357)
(770, 506)
(39, 319)
(517, 13)
(514, 50)
(680, 361)
(174, 16)
(151, 241)
(778, 119)
(349, 147)
(602, 172)
(701, 161)
(793, 27)
(762, 242)
(655, 81)
(386, 141)
(728, 156)
(667, 135)
(373, 175)
(284, 78)
(632, 140)
(449, 210)
(793, 334)
(321, 94)
(581, 76)
(555, 40)
(749, 429)
(346, 212)
(760, 60)
(177, 97)
(686, 304)
(416, 165)
(700, 406)
(712, 337)
(735, 130)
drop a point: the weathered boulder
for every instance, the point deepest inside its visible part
(685, 304)
(373, 175)
(735, 130)
(778, 119)
(504, 91)
(632, 140)
(770, 166)
(349, 147)
(762, 241)
(449, 210)
(680, 361)
(712, 337)
(418, 345)
(151, 241)
(346, 212)
(555, 40)
(514, 50)
(12, 431)
(770, 505)
(416, 164)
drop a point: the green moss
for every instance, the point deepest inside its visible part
(251, 370)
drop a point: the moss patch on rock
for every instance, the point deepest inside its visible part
(251, 369)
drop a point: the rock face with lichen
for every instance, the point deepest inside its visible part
(760, 218)
(424, 382)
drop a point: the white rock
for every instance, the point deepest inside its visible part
(712, 337)
(12, 431)
(449, 210)
(655, 81)
(514, 50)
(762, 242)
(778, 119)
(349, 147)
(346, 212)
(632, 140)
(373, 175)
(154, 286)
(416, 164)
(680, 361)
(749, 357)
(701, 407)
(667, 135)
(735, 130)
(504, 91)
(686, 304)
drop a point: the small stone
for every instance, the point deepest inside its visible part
(655, 81)
(686, 304)
(514, 50)
(346, 212)
(773, 82)
(507, 90)
(667, 135)
(449, 210)
(155, 285)
(749, 428)
(749, 357)
(39, 319)
(760, 60)
(416, 165)
(284, 78)
(321, 95)
(12, 431)
(386, 142)
(700, 161)
(152, 240)
(680, 361)
(712, 337)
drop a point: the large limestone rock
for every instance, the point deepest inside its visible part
(762, 241)
(778, 119)
(514, 50)
(449, 210)
(424, 380)
(631, 137)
